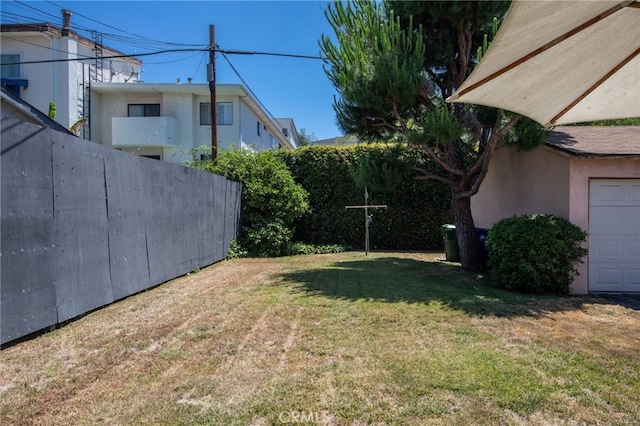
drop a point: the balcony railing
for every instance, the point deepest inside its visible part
(144, 131)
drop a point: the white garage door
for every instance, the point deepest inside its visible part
(614, 235)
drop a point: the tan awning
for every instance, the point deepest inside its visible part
(561, 62)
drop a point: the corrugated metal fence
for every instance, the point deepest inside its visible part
(83, 225)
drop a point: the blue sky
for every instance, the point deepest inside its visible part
(287, 87)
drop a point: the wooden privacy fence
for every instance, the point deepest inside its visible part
(83, 225)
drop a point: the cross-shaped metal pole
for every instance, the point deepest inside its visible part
(367, 217)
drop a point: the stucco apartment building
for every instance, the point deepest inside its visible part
(49, 66)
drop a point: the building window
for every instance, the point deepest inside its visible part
(12, 69)
(224, 113)
(259, 131)
(143, 110)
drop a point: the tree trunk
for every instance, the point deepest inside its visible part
(471, 255)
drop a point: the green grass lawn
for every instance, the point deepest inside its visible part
(389, 338)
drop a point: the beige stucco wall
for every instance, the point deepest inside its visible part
(545, 181)
(522, 183)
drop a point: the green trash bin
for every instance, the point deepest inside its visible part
(451, 249)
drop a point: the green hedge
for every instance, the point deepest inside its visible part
(416, 208)
(535, 253)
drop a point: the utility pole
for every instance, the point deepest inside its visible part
(211, 76)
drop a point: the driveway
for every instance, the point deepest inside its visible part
(631, 301)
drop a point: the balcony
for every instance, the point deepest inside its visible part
(144, 131)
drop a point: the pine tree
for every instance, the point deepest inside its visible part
(394, 64)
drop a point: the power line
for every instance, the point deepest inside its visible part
(176, 60)
(47, 61)
(40, 46)
(199, 64)
(286, 55)
(41, 12)
(159, 52)
(247, 85)
(136, 37)
(147, 43)
(129, 38)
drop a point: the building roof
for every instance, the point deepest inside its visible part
(596, 141)
(338, 140)
(15, 107)
(57, 31)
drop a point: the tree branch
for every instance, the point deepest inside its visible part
(438, 160)
(431, 176)
(479, 170)
(396, 114)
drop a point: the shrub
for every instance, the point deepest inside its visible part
(271, 200)
(535, 253)
(302, 248)
(416, 208)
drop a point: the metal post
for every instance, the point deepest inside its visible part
(367, 219)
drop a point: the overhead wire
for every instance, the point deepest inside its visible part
(25, 6)
(204, 54)
(128, 38)
(53, 49)
(135, 55)
(247, 86)
(134, 37)
(146, 43)
(159, 52)
(286, 55)
(139, 41)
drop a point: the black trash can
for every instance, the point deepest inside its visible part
(481, 234)
(451, 249)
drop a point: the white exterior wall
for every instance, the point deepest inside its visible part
(97, 123)
(228, 135)
(181, 103)
(116, 106)
(59, 82)
(66, 82)
(35, 47)
(287, 123)
(249, 131)
(179, 107)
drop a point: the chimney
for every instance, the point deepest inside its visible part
(66, 22)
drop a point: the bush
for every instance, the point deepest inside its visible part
(535, 253)
(271, 200)
(416, 208)
(302, 248)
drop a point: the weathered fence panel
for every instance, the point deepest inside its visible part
(80, 228)
(83, 225)
(129, 267)
(231, 220)
(219, 203)
(28, 252)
